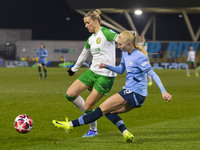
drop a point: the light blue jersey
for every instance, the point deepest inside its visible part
(42, 54)
(137, 66)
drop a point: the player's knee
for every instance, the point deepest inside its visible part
(69, 98)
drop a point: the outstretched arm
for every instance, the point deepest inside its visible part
(155, 77)
(83, 56)
(118, 69)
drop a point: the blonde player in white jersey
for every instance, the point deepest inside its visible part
(191, 61)
(143, 43)
(101, 44)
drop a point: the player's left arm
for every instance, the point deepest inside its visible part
(109, 34)
(156, 78)
(144, 65)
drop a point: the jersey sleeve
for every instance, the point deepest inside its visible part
(82, 57)
(37, 54)
(87, 45)
(143, 63)
(157, 80)
(109, 34)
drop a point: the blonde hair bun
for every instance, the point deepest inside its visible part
(98, 11)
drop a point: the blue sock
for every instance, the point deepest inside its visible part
(86, 119)
(116, 120)
(45, 71)
(40, 72)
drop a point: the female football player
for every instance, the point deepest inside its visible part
(135, 62)
(191, 61)
(42, 54)
(101, 44)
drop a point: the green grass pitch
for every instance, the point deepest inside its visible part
(156, 125)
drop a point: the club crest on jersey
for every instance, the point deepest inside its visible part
(98, 40)
(130, 63)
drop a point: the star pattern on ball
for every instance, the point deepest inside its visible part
(20, 127)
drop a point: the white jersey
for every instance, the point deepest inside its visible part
(144, 45)
(191, 56)
(102, 47)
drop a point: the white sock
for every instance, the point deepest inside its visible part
(187, 71)
(93, 125)
(79, 103)
(124, 132)
(196, 71)
(70, 123)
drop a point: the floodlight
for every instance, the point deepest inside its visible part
(138, 12)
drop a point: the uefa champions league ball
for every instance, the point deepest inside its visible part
(23, 123)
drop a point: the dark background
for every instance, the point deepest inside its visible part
(48, 21)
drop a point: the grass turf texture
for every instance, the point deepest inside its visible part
(156, 125)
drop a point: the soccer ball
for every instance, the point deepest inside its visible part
(23, 123)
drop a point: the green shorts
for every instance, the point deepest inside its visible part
(190, 62)
(102, 84)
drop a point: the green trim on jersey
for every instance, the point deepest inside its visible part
(109, 34)
(145, 43)
(87, 45)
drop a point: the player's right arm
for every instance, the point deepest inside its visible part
(118, 69)
(82, 57)
(36, 55)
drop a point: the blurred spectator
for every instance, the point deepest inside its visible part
(61, 59)
(18, 58)
(22, 58)
(27, 58)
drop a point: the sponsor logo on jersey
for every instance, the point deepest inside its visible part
(96, 50)
(98, 40)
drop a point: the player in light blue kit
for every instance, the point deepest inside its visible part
(42, 54)
(135, 62)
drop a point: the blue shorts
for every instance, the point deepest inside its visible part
(42, 61)
(133, 99)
